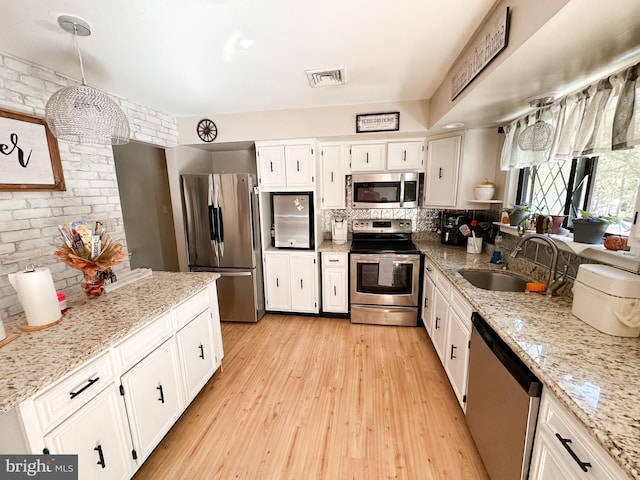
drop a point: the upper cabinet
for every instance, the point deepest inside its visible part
(405, 155)
(456, 164)
(441, 178)
(286, 165)
(333, 159)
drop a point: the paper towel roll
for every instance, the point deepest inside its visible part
(37, 294)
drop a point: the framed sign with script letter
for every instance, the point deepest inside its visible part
(29, 155)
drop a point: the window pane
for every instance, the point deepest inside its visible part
(616, 184)
(547, 187)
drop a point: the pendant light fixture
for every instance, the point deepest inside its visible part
(80, 113)
(538, 136)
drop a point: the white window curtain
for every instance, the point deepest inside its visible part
(601, 118)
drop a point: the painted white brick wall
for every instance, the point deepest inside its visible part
(28, 220)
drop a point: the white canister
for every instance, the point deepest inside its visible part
(474, 245)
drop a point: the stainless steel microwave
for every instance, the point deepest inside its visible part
(385, 190)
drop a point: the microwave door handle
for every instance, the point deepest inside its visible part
(401, 192)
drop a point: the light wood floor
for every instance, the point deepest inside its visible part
(318, 398)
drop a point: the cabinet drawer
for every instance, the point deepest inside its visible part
(72, 392)
(442, 282)
(430, 269)
(334, 260)
(461, 307)
(190, 308)
(139, 344)
(556, 422)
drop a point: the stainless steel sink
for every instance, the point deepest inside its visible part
(493, 280)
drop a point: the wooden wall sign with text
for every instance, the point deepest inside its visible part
(29, 154)
(492, 41)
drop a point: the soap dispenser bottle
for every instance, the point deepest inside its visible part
(497, 254)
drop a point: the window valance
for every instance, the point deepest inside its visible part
(603, 117)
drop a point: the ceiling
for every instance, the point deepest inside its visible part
(190, 57)
(204, 57)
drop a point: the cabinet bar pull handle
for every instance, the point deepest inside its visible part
(426, 302)
(437, 323)
(565, 443)
(298, 165)
(367, 157)
(453, 350)
(301, 286)
(429, 269)
(201, 351)
(331, 177)
(404, 155)
(100, 455)
(159, 387)
(335, 291)
(277, 283)
(271, 166)
(440, 172)
(90, 382)
(333, 260)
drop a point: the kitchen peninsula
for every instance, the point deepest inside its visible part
(153, 344)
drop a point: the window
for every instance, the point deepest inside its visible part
(603, 185)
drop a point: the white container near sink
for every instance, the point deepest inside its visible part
(608, 299)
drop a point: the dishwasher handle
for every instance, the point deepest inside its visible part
(527, 380)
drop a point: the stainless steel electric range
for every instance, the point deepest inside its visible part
(385, 273)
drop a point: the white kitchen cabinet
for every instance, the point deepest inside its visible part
(440, 321)
(153, 396)
(563, 449)
(99, 435)
(197, 354)
(291, 282)
(441, 177)
(449, 327)
(286, 165)
(335, 292)
(405, 156)
(333, 183)
(456, 362)
(456, 164)
(428, 293)
(369, 157)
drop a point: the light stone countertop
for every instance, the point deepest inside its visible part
(593, 374)
(37, 359)
(329, 247)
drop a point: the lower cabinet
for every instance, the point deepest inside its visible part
(99, 435)
(153, 396)
(291, 281)
(563, 449)
(448, 323)
(335, 287)
(115, 408)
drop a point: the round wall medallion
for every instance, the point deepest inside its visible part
(207, 130)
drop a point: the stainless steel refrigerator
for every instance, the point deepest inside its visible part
(223, 236)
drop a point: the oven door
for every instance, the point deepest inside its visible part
(385, 279)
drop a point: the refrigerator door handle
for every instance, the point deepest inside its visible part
(220, 231)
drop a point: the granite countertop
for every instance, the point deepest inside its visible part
(330, 247)
(593, 374)
(37, 359)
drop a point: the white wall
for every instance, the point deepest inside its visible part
(28, 220)
(323, 122)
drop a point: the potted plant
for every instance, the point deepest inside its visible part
(589, 228)
(517, 214)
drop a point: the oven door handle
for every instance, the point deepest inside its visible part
(375, 258)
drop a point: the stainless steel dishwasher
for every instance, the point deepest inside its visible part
(502, 404)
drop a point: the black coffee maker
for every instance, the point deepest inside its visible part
(450, 224)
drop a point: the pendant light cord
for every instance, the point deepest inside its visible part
(75, 38)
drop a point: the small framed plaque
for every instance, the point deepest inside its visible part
(378, 122)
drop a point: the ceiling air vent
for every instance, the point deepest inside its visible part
(326, 78)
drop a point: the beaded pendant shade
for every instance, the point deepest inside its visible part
(83, 114)
(539, 135)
